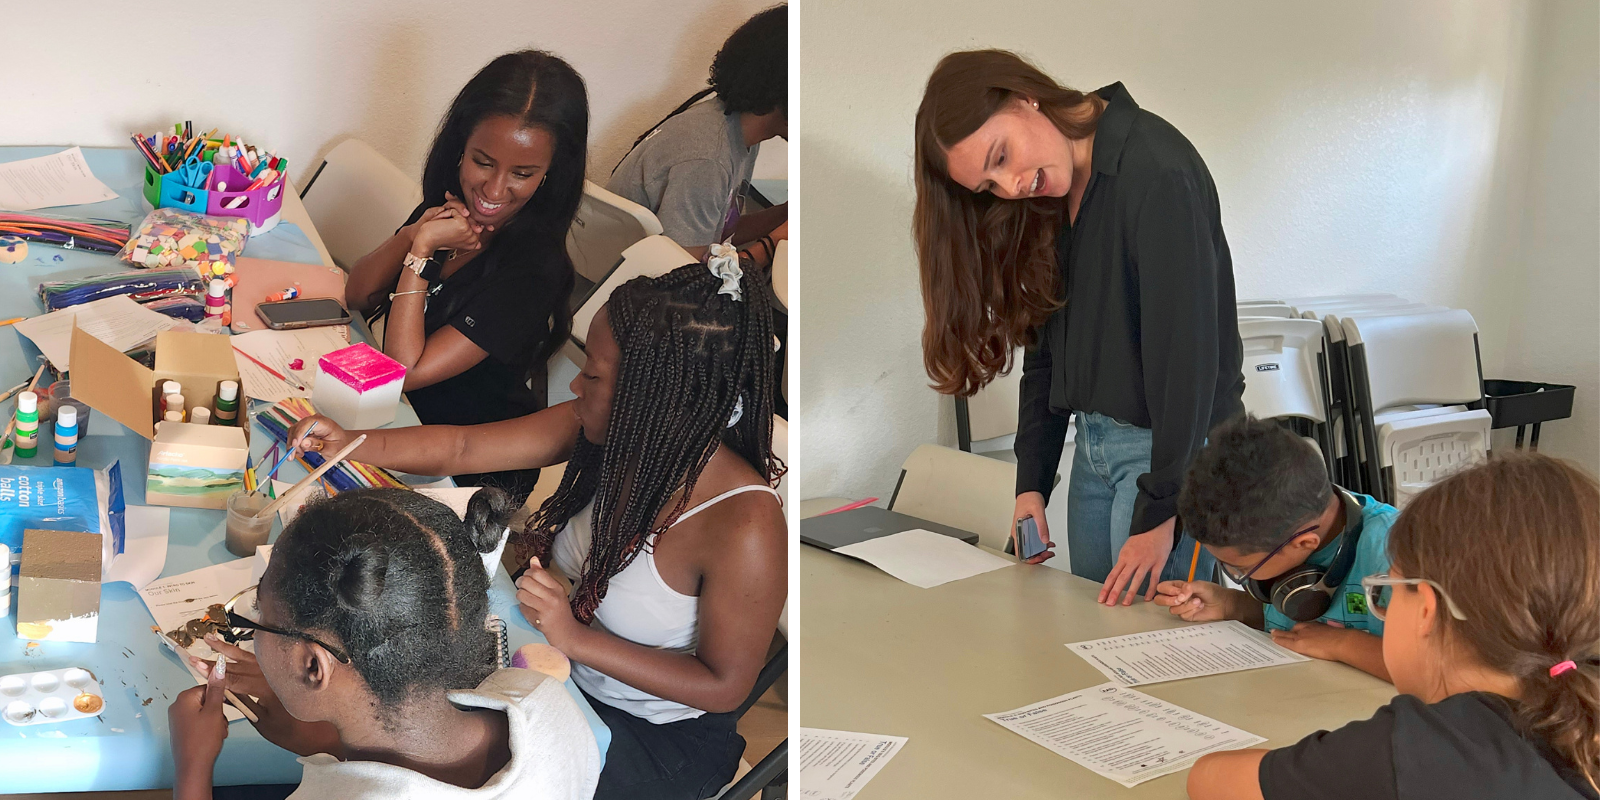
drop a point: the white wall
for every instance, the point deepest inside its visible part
(1357, 147)
(313, 73)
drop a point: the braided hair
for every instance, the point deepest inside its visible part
(689, 356)
(396, 578)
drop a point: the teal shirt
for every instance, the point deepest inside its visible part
(1349, 607)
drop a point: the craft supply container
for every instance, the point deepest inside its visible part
(262, 207)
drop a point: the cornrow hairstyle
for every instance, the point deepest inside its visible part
(542, 91)
(1515, 541)
(396, 579)
(750, 74)
(689, 354)
(1250, 485)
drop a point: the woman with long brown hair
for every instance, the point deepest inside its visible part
(1492, 636)
(1088, 230)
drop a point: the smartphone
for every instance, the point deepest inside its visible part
(307, 313)
(1028, 538)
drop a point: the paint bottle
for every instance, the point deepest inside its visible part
(67, 436)
(227, 404)
(200, 416)
(216, 297)
(173, 402)
(27, 435)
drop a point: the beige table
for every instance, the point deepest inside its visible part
(882, 656)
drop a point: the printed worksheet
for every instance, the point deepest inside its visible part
(1189, 652)
(834, 765)
(924, 558)
(1127, 736)
(292, 354)
(118, 321)
(62, 179)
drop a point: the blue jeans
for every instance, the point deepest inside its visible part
(1106, 465)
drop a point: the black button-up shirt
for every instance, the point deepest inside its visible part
(1149, 334)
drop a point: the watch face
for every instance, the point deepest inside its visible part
(430, 270)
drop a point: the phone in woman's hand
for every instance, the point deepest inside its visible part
(1028, 538)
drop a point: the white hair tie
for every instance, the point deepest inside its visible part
(724, 263)
(738, 412)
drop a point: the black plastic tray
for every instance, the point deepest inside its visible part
(1513, 404)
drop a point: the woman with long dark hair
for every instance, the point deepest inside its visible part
(665, 520)
(475, 284)
(1088, 230)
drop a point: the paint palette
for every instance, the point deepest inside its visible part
(45, 698)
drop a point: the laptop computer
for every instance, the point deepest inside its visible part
(868, 522)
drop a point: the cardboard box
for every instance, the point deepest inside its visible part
(58, 592)
(195, 466)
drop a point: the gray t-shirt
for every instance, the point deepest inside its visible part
(689, 172)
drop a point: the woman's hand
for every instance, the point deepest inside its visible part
(197, 727)
(1031, 504)
(451, 228)
(243, 677)
(1142, 556)
(544, 602)
(318, 434)
(1193, 601)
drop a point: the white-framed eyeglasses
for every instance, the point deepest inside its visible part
(1379, 587)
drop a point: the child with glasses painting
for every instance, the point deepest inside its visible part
(1258, 498)
(373, 663)
(1492, 605)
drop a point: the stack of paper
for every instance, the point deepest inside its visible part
(117, 321)
(63, 179)
(924, 558)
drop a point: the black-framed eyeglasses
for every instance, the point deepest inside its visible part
(1240, 576)
(241, 628)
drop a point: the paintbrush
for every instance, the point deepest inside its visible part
(183, 655)
(272, 508)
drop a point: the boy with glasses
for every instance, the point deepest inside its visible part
(1258, 498)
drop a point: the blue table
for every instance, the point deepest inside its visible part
(127, 746)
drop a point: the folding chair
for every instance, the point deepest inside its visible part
(770, 776)
(606, 225)
(986, 422)
(962, 490)
(649, 257)
(1399, 364)
(360, 199)
(1285, 372)
(1279, 310)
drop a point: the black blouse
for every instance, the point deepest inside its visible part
(1148, 334)
(498, 305)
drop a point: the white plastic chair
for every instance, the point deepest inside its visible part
(649, 257)
(1266, 310)
(606, 225)
(962, 490)
(986, 422)
(357, 199)
(1285, 375)
(1398, 363)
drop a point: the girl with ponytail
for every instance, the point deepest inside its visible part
(665, 521)
(372, 661)
(1492, 636)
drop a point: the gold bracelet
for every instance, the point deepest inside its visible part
(393, 295)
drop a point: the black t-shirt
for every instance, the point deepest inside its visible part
(1464, 747)
(498, 304)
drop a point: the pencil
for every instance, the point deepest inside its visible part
(276, 374)
(1194, 562)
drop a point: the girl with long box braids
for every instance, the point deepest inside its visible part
(665, 521)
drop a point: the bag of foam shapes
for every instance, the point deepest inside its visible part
(171, 237)
(63, 499)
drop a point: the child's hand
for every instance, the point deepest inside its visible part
(1314, 639)
(197, 726)
(544, 602)
(1193, 601)
(273, 721)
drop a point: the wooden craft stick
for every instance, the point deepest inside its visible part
(327, 464)
(183, 655)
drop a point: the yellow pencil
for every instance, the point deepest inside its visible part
(12, 321)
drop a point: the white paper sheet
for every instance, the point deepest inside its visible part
(1121, 734)
(63, 179)
(924, 558)
(176, 600)
(1189, 652)
(117, 321)
(279, 349)
(144, 547)
(288, 511)
(834, 765)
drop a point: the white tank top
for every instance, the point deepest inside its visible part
(640, 607)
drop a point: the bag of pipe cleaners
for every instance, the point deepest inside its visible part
(143, 286)
(170, 237)
(99, 235)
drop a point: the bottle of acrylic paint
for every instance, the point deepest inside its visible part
(216, 297)
(173, 402)
(227, 404)
(67, 436)
(173, 416)
(27, 435)
(200, 416)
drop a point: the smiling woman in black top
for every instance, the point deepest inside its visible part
(1088, 229)
(475, 283)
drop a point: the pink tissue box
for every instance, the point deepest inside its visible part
(358, 387)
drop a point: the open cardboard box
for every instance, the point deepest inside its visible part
(195, 466)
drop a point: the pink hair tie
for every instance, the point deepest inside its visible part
(1565, 666)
